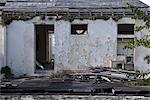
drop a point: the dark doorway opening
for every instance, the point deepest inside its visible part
(45, 44)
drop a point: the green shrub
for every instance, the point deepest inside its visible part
(145, 82)
(118, 66)
(60, 74)
(7, 72)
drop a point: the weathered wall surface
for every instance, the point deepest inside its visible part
(20, 47)
(2, 46)
(74, 52)
(97, 48)
(141, 52)
(140, 63)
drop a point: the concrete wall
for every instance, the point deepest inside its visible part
(2, 46)
(97, 48)
(74, 52)
(20, 47)
(141, 52)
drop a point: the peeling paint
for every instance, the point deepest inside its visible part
(73, 52)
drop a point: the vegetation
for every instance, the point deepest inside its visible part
(137, 42)
(145, 82)
(145, 41)
(117, 17)
(7, 72)
(68, 18)
(118, 66)
(60, 74)
(139, 74)
(139, 14)
(7, 19)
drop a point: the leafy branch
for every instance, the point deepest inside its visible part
(138, 42)
(139, 14)
(138, 74)
(147, 58)
(145, 42)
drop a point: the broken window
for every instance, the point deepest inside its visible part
(78, 29)
(128, 54)
(126, 29)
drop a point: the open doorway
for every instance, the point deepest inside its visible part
(45, 45)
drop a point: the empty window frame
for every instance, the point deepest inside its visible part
(79, 29)
(127, 29)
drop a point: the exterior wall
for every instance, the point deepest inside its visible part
(97, 48)
(72, 52)
(140, 63)
(141, 52)
(20, 47)
(2, 47)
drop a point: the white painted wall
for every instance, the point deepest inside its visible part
(2, 46)
(141, 52)
(140, 63)
(20, 47)
(74, 52)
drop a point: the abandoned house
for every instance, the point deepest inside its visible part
(45, 35)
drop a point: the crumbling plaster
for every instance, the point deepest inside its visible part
(73, 52)
(78, 52)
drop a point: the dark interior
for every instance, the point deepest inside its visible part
(75, 27)
(42, 47)
(125, 28)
